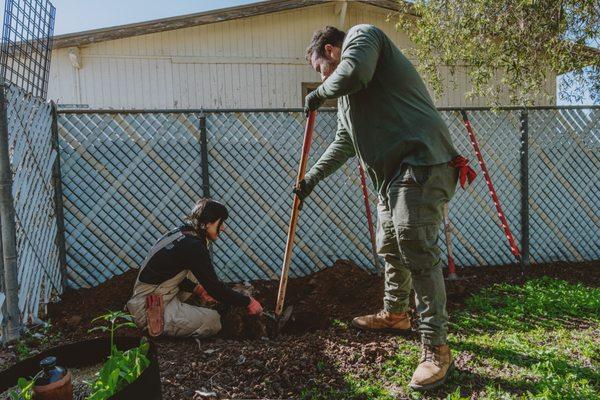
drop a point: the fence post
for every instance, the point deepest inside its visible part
(204, 165)
(12, 325)
(524, 155)
(58, 201)
(204, 157)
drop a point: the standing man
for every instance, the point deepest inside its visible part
(387, 118)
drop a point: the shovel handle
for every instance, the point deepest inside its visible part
(285, 268)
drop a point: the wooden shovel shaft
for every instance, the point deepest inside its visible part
(287, 257)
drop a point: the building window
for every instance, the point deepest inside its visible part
(308, 87)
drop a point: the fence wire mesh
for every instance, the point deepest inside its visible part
(27, 44)
(129, 177)
(32, 159)
(478, 237)
(565, 184)
(253, 162)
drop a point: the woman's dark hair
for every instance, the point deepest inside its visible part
(328, 35)
(205, 211)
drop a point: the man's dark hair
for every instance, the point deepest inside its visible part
(206, 211)
(328, 35)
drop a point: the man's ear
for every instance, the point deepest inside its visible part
(328, 50)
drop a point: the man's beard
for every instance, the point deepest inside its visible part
(331, 64)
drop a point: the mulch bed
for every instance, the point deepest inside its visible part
(311, 351)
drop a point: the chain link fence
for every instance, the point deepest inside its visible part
(564, 169)
(129, 176)
(127, 179)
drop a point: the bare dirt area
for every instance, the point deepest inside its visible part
(317, 349)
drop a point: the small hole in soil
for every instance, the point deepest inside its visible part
(331, 296)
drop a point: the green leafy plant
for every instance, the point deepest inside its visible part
(114, 320)
(122, 367)
(339, 324)
(25, 388)
(23, 350)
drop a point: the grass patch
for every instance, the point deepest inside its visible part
(540, 340)
(356, 390)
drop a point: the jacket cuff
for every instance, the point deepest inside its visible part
(320, 91)
(311, 178)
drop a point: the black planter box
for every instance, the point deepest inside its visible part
(87, 353)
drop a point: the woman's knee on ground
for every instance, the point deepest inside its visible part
(211, 324)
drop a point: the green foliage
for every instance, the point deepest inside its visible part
(122, 367)
(356, 390)
(36, 339)
(114, 320)
(339, 324)
(23, 349)
(539, 340)
(509, 46)
(544, 302)
(25, 388)
(321, 365)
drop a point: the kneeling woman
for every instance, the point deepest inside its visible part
(177, 265)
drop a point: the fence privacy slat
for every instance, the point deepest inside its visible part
(129, 176)
(32, 156)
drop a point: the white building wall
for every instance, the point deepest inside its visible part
(254, 62)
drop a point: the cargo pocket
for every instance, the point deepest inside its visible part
(385, 237)
(418, 245)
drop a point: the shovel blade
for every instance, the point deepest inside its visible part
(284, 317)
(280, 320)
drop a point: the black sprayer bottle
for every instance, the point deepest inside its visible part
(54, 382)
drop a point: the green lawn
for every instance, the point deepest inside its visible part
(536, 341)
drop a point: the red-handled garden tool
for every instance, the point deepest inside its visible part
(365, 191)
(280, 315)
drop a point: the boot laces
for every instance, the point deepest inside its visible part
(428, 354)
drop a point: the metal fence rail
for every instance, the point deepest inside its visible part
(131, 175)
(32, 163)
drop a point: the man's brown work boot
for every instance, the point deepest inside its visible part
(436, 362)
(384, 320)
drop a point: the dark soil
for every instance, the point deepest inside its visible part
(315, 348)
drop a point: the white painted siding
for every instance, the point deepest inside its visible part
(254, 62)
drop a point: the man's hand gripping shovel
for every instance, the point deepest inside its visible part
(281, 315)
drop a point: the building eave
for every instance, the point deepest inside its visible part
(84, 38)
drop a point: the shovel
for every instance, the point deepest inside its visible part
(282, 319)
(280, 315)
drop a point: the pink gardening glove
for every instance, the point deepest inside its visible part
(203, 294)
(254, 308)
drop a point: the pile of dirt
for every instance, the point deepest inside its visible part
(73, 315)
(339, 292)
